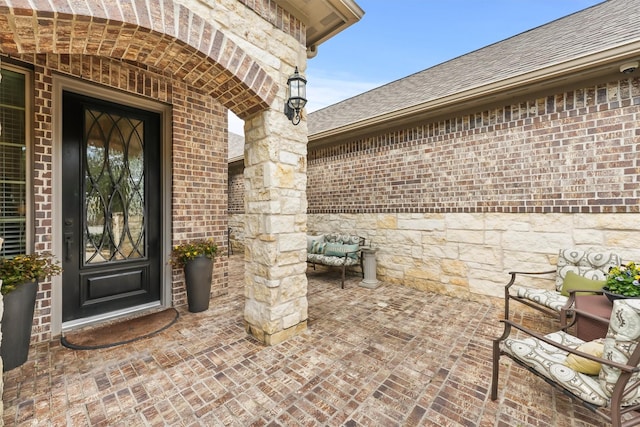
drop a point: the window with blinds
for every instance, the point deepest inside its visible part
(13, 163)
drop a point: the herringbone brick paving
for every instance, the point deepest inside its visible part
(393, 356)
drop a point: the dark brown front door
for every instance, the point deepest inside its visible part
(112, 212)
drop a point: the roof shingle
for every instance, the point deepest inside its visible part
(599, 28)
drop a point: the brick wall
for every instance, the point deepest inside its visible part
(199, 195)
(568, 152)
(236, 188)
(199, 179)
(236, 207)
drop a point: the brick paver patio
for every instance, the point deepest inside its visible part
(392, 356)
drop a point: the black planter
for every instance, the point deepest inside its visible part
(16, 324)
(612, 297)
(198, 274)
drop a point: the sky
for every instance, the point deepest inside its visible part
(397, 38)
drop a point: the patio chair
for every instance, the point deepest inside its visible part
(609, 389)
(591, 265)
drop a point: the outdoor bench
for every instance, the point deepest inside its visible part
(335, 250)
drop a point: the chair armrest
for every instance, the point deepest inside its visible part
(569, 307)
(625, 368)
(513, 280)
(525, 273)
(572, 297)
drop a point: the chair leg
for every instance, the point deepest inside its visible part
(496, 361)
(496, 369)
(344, 267)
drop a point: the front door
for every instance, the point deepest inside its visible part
(111, 207)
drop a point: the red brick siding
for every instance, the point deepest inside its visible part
(169, 36)
(42, 191)
(569, 152)
(199, 202)
(236, 188)
(199, 179)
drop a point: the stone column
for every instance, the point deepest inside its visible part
(275, 179)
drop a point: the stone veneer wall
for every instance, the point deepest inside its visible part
(469, 255)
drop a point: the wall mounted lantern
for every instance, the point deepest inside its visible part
(296, 96)
(629, 67)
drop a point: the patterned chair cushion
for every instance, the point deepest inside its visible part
(547, 298)
(332, 260)
(589, 264)
(619, 344)
(549, 362)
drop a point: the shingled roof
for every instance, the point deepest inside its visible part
(587, 39)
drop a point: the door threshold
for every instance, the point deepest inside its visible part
(93, 320)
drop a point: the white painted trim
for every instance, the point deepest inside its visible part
(60, 84)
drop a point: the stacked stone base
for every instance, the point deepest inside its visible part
(277, 337)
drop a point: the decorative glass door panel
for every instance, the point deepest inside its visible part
(114, 188)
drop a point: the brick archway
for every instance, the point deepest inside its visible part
(167, 36)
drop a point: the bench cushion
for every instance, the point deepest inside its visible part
(339, 249)
(332, 260)
(346, 239)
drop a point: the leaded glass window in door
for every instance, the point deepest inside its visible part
(114, 210)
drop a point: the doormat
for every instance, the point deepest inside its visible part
(120, 333)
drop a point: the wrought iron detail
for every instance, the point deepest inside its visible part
(114, 190)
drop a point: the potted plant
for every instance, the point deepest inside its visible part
(623, 282)
(19, 276)
(196, 258)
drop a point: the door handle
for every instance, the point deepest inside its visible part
(68, 241)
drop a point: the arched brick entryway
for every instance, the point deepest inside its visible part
(177, 43)
(167, 36)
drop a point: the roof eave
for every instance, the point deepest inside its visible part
(323, 18)
(578, 69)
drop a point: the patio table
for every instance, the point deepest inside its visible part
(588, 329)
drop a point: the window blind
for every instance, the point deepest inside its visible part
(13, 172)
